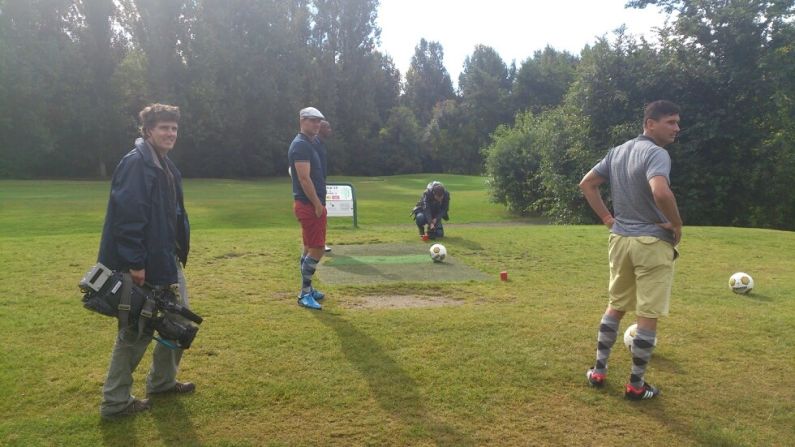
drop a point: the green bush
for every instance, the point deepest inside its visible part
(512, 166)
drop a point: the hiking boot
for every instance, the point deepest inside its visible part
(178, 388)
(595, 379)
(137, 406)
(308, 300)
(316, 294)
(645, 393)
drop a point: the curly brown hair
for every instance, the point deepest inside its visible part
(154, 113)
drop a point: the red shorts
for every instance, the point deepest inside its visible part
(313, 228)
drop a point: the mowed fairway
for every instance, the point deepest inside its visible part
(496, 364)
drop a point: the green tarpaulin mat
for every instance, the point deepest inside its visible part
(378, 263)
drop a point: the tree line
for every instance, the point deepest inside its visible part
(730, 65)
(74, 74)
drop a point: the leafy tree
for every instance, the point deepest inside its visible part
(244, 92)
(542, 81)
(534, 166)
(485, 86)
(162, 30)
(46, 89)
(448, 141)
(102, 48)
(427, 80)
(722, 62)
(357, 86)
(512, 166)
(398, 151)
(727, 50)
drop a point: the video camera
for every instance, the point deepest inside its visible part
(150, 308)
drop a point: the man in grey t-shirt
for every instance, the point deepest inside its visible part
(644, 231)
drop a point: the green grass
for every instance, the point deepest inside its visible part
(505, 367)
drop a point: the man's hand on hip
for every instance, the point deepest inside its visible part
(676, 230)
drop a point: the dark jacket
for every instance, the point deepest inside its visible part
(433, 209)
(146, 224)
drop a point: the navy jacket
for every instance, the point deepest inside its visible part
(146, 226)
(433, 209)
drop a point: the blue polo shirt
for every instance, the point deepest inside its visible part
(302, 149)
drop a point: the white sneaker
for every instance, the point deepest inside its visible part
(328, 249)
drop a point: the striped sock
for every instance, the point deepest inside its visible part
(301, 263)
(608, 330)
(307, 270)
(642, 347)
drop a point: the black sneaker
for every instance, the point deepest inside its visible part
(645, 393)
(595, 379)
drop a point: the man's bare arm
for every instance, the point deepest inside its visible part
(666, 202)
(589, 185)
(302, 170)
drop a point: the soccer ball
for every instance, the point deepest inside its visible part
(438, 252)
(630, 334)
(741, 283)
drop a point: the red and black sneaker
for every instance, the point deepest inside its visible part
(595, 379)
(645, 393)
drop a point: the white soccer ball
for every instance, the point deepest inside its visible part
(629, 336)
(741, 283)
(438, 252)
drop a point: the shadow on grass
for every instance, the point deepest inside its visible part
(392, 388)
(460, 242)
(120, 431)
(173, 421)
(351, 265)
(170, 417)
(686, 427)
(758, 297)
(661, 362)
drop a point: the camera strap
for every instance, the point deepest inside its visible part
(124, 300)
(147, 312)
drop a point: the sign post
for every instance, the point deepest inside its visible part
(341, 201)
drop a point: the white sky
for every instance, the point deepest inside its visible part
(514, 28)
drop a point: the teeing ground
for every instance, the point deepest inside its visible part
(381, 263)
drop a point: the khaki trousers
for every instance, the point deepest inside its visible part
(127, 353)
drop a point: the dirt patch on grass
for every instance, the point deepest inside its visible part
(399, 302)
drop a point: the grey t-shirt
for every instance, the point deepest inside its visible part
(628, 168)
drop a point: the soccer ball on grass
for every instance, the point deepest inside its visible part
(741, 283)
(438, 252)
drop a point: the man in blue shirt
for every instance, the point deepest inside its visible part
(309, 201)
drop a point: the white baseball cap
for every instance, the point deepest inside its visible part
(310, 112)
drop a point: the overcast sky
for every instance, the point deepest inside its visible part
(514, 28)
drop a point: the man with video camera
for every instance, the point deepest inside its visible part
(147, 234)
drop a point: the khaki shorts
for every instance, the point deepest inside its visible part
(641, 274)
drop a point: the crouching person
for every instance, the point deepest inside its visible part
(432, 207)
(147, 234)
